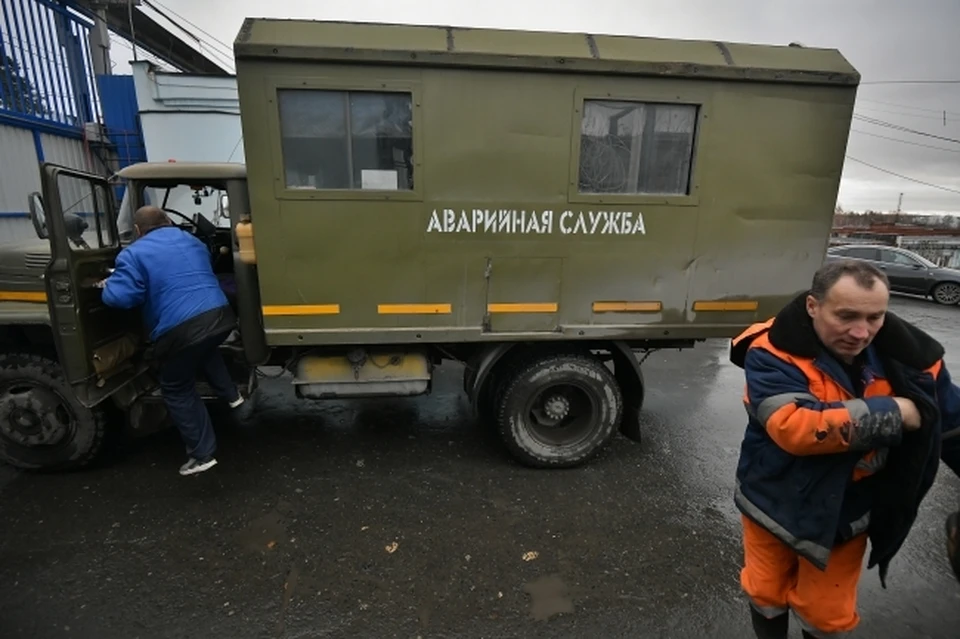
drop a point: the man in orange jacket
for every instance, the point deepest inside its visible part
(847, 404)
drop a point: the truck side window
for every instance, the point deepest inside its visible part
(636, 147)
(346, 139)
(87, 208)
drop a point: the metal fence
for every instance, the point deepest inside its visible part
(46, 70)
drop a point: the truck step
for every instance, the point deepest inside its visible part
(206, 391)
(360, 373)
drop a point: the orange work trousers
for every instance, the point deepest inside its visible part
(776, 579)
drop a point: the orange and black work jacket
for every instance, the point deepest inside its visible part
(824, 457)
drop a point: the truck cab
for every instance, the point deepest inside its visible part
(70, 367)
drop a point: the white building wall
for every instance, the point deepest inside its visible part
(188, 118)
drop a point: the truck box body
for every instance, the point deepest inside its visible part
(511, 184)
(531, 183)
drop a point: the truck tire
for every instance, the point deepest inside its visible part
(42, 425)
(558, 411)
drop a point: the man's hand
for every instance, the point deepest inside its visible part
(100, 284)
(911, 416)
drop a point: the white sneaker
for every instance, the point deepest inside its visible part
(194, 466)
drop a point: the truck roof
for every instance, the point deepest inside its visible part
(378, 43)
(184, 171)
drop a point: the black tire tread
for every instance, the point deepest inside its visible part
(522, 367)
(49, 372)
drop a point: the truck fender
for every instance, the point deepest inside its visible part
(629, 376)
(480, 367)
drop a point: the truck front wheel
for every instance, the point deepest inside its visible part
(42, 425)
(558, 411)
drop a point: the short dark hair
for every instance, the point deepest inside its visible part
(865, 275)
(148, 218)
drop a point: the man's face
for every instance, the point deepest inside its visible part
(848, 318)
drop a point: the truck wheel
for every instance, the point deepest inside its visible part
(559, 411)
(42, 425)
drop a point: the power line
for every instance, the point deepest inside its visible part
(912, 82)
(927, 146)
(219, 55)
(904, 177)
(908, 106)
(891, 125)
(926, 116)
(150, 3)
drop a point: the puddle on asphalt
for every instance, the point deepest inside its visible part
(264, 532)
(549, 596)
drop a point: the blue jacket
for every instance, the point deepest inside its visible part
(168, 273)
(820, 462)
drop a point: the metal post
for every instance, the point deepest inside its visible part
(99, 38)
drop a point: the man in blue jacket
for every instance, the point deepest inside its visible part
(168, 272)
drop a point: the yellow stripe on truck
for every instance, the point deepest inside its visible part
(23, 296)
(544, 307)
(301, 309)
(627, 307)
(414, 309)
(725, 306)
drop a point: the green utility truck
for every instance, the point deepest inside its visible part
(542, 207)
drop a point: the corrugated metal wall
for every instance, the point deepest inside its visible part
(19, 177)
(48, 93)
(69, 152)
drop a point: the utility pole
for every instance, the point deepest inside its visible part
(900, 204)
(99, 40)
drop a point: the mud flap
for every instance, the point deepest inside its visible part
(953, 542)
(629, 377)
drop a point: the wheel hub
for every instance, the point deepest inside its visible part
(949, 293)
(556, 407)
(27, 421)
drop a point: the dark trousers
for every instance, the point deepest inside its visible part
(178, 383)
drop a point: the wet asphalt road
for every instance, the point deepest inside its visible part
(402, 518)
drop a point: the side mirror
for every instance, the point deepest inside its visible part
(37, 216)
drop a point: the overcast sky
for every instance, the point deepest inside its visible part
(884, 39)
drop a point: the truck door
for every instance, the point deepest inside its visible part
(98, 346)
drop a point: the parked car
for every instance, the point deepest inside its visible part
(907, 271)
